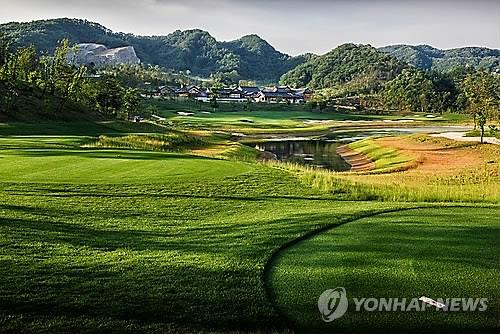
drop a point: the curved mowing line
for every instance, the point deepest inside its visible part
(266, 273)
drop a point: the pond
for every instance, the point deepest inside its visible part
(322, 152)
(318, 153)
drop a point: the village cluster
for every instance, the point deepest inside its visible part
(277, 94)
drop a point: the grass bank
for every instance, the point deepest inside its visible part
(441, 171)
(174, 141)
(386, 159)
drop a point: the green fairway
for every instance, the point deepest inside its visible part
(112, 240)
(275, 118)
(438, 253)
(111, 166)
(121, 240)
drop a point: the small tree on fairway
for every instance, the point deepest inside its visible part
(481, 91)
(481, 120)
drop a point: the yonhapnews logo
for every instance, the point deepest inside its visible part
(333, 303)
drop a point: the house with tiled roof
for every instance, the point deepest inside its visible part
(193, 92)
(280, 94)
(231, 95)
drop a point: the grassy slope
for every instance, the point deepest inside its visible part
(441, 253)
(120, 240)
(385, 158)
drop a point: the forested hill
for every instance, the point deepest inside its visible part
(250, 57)
(428, 57)
(347, 65)
(259, 60)
(195, 50)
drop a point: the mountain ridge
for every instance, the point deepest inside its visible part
(194, 50)
(249, 57)
(356, 66)
(427, 57)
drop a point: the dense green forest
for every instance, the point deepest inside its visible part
(349, 65)
(427, 57)
(192, 51)
(34, 87)
(363, 77)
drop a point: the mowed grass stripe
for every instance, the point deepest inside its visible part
(111, 166)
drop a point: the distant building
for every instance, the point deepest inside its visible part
(250, 92)
(240, 94)
(231, 95)
(282, 94)
(193, 92)
(165, 91)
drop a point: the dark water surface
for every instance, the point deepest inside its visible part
(321, 152)
(317, 153)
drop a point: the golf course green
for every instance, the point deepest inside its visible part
(122, 240)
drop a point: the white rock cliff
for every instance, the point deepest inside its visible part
(99, 55)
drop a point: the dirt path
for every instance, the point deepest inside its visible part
(460, 136)
(358, 162)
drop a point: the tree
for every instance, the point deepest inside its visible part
(108, 96)
(4, 50)
(416, 90)
(215, 88)
(483, 95)
(131, 101)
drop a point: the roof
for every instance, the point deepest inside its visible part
(249, 89)
(283, 95)
(162, 88)
(283, 89)
(229, 91)
(301, 90)
(189, 90)
(252, 94)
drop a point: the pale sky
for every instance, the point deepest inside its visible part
(293, 26)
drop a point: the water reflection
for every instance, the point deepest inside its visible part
(317, 153)
(322, 152)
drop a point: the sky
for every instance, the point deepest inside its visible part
(293, 26)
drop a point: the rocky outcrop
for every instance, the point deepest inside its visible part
(99, 55)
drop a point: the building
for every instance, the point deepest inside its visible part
(193, 92)
(306, 93)
(250, 92)
(240, 94)
(281, 94)
(228, 95)
(164, 91)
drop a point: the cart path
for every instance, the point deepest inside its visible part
(460, 136)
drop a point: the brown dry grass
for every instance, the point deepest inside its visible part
(441, 170)
(437, 157)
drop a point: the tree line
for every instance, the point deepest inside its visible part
(55, 84)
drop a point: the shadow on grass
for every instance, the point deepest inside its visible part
(368, 258)
(107, 154)
(71, 269)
